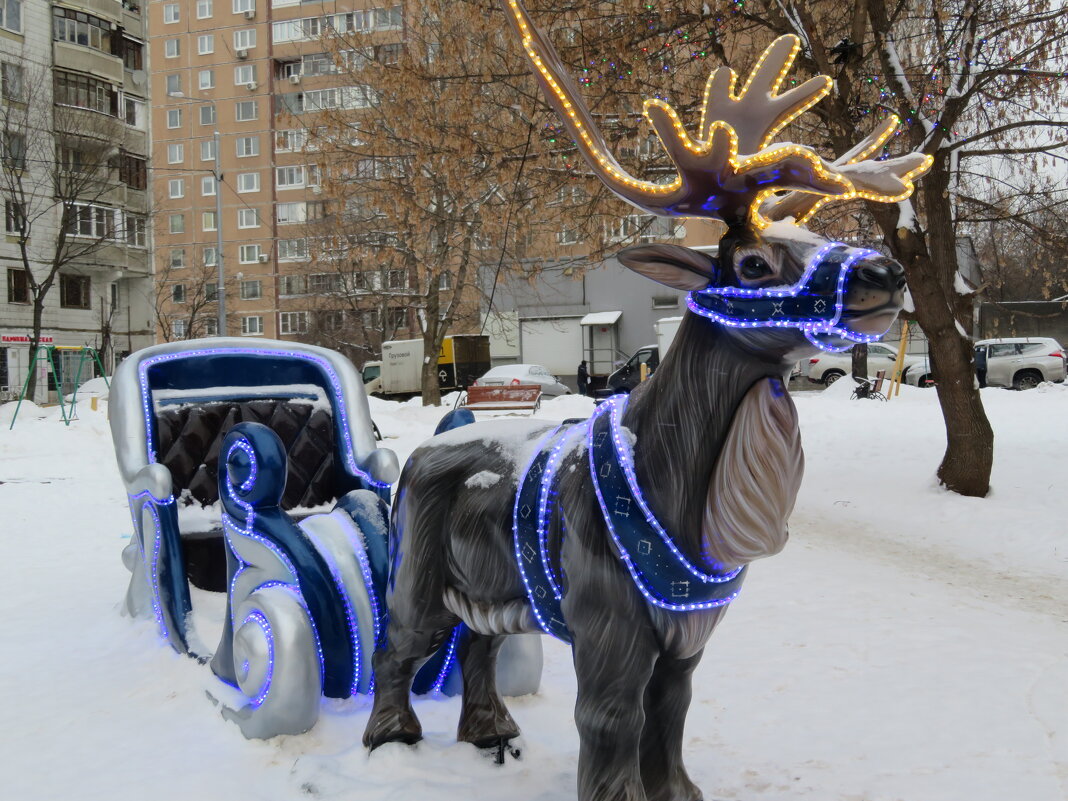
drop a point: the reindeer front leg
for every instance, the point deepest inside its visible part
(667, 698)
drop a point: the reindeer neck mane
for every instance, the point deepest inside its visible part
(682, 418)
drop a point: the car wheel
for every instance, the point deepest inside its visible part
(1026, 379)
(831, 376)
(925, 381)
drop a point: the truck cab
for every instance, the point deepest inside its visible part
(629, 375)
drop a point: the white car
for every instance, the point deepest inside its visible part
(829, 367)
(515, 374)
(1017, 362)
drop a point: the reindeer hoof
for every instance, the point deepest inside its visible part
(499, 749)
(400, 726)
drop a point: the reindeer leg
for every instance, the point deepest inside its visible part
(667, 698)
(484, 719)
(614, 662)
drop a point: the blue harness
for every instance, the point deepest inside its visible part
(660, 571)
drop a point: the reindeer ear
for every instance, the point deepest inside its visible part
(671, 265)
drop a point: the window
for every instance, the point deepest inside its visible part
(321, 283)
(245, 39)
(372, 319)
(569, 236)
(11, 15)
(445, 282)
(245, 110)
(136, 228)
(170, 13)
(176, 223)
(208, 254)
(133, 54)
(249, 254)
(211, 326)
(174, 83)
(292, 284)
(11, 81)
(206, 79)
(248, 182)
(174, 118)
(205, 44)
(85, 219)
(387, 19)
(396, 279)
(14, 217)
(251, 290)
(208, 221)
(207, 114)
(396, 317)
(248, 146)
(74, 291)
(176, 188)
(290, 213)
(207, 150)
(133, 111)
(665, 302)
(204, 9)
(178, 293)
(251, 325)
(18, 286)
(290, 140)
(172, 48)
(81, 91)
(13, 150)
(244, 74)
(177, 258)
(175, 153)
(293, 249)
(241, 6)
(77, 27)
(331, 320)
(293, 322)
(179, 328)
(207, 185)
(248, 218)
(211, 292)
(133, 170)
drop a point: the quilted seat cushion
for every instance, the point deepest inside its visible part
(188, 439)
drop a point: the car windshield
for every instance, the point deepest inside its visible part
(371, 373)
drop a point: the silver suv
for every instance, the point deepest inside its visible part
(1017, 362)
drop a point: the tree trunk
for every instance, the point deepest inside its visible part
(430, 385)
(969, 452)
(860, 362)
(35, 340)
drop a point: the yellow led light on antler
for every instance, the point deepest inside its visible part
(717, 180)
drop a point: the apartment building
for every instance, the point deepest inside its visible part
(237, 86)
(73, 112)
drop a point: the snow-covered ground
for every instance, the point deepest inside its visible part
(908, 645)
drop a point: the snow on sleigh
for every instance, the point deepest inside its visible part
(251, 444)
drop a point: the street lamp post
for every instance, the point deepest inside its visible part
(220, 273)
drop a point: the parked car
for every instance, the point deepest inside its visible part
(1016, 362)
(514, 374)
(829, 367)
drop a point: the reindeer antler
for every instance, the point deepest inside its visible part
(713, 179)
(885, 181)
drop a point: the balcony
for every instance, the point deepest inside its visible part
(87, 60)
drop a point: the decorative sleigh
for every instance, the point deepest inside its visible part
(267, 435)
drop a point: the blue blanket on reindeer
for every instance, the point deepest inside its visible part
(233, 455)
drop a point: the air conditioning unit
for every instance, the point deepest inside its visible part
(250, 13)
(294, 79)
(242, 54)
(263, 257)
(251, 85)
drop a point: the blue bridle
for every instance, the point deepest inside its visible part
(813, 305)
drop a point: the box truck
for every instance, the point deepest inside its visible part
(463, 358)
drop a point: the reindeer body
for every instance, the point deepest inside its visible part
(717, 454)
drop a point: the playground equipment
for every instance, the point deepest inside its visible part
(87, 354)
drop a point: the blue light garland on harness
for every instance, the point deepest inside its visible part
(660, 571)
(813, 305)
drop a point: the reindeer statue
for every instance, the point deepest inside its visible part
(628, 535)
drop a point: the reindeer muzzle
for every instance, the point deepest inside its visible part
(816, 305)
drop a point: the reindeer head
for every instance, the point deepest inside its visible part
(768, 274)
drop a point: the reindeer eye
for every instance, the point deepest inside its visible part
(754, 267)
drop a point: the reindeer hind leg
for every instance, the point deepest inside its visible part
(484, 719)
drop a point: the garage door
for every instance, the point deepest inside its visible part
(554, 342)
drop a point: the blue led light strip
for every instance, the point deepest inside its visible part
(817, 314)
(660, 571)
(261, 620)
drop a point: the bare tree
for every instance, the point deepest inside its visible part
(186, 300)
(64, 171)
